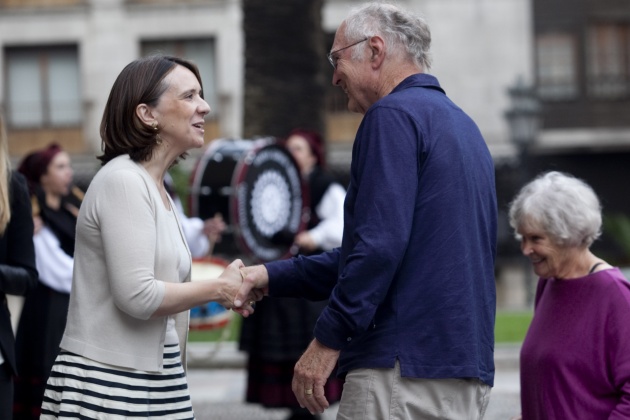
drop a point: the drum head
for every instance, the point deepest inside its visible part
(256, 186)
(268, 207)
(211, 187)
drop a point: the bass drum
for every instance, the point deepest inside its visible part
(212, 315)
(256, 186)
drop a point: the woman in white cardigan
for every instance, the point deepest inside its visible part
(123, 351)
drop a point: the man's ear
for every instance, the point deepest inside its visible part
(145, 114)
(377, 51)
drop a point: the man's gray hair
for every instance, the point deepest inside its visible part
(565, 207)
(402, 31)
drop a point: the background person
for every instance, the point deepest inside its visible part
(575, 359)
(42, 321)
(123, 350)
(325, 226)
(282, 328)
(411, 290)
(18, 273)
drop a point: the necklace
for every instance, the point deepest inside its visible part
(597, 264)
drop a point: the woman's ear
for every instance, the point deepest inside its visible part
(145, 114)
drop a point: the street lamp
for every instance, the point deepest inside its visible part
(524, 121)
(523, 118)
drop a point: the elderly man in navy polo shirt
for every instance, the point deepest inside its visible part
(410, 319)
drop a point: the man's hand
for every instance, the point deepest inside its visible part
(231, 282)
(310, 375)
(255, 282)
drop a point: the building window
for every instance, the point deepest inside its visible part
(43, 87)
(608, 61)
(201, 52)
(556, 66)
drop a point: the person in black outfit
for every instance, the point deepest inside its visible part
(55, 205)
(18, 273)
(281, 329)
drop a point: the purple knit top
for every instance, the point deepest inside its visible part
(575, 360)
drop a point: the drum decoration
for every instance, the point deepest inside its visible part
(212, 315)
(256, 186)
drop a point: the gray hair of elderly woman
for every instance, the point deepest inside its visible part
(402, 31)
(565, 207)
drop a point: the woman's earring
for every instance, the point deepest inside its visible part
(158, 139)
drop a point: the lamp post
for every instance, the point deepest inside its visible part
(523, 118)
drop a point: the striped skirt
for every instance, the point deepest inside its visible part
(86, 389)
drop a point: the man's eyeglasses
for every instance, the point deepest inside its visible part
(333, 61)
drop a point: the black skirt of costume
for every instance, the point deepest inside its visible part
(40, 330)
(275, 337)
(279, 331)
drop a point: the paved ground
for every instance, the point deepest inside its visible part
(217, 394)
(217, 386)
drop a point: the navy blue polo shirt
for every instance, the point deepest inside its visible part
(414, 277)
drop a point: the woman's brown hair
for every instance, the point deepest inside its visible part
(140, 82)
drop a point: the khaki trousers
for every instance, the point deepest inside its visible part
(382, 394)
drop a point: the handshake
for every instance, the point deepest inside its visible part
(240, 287)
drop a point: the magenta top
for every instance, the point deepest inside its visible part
(575, 360)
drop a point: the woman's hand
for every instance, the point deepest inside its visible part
(179, 297)
(232, 282)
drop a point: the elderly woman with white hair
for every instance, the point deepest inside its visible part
(575, 360)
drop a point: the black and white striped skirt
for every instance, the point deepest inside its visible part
(82, 388)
